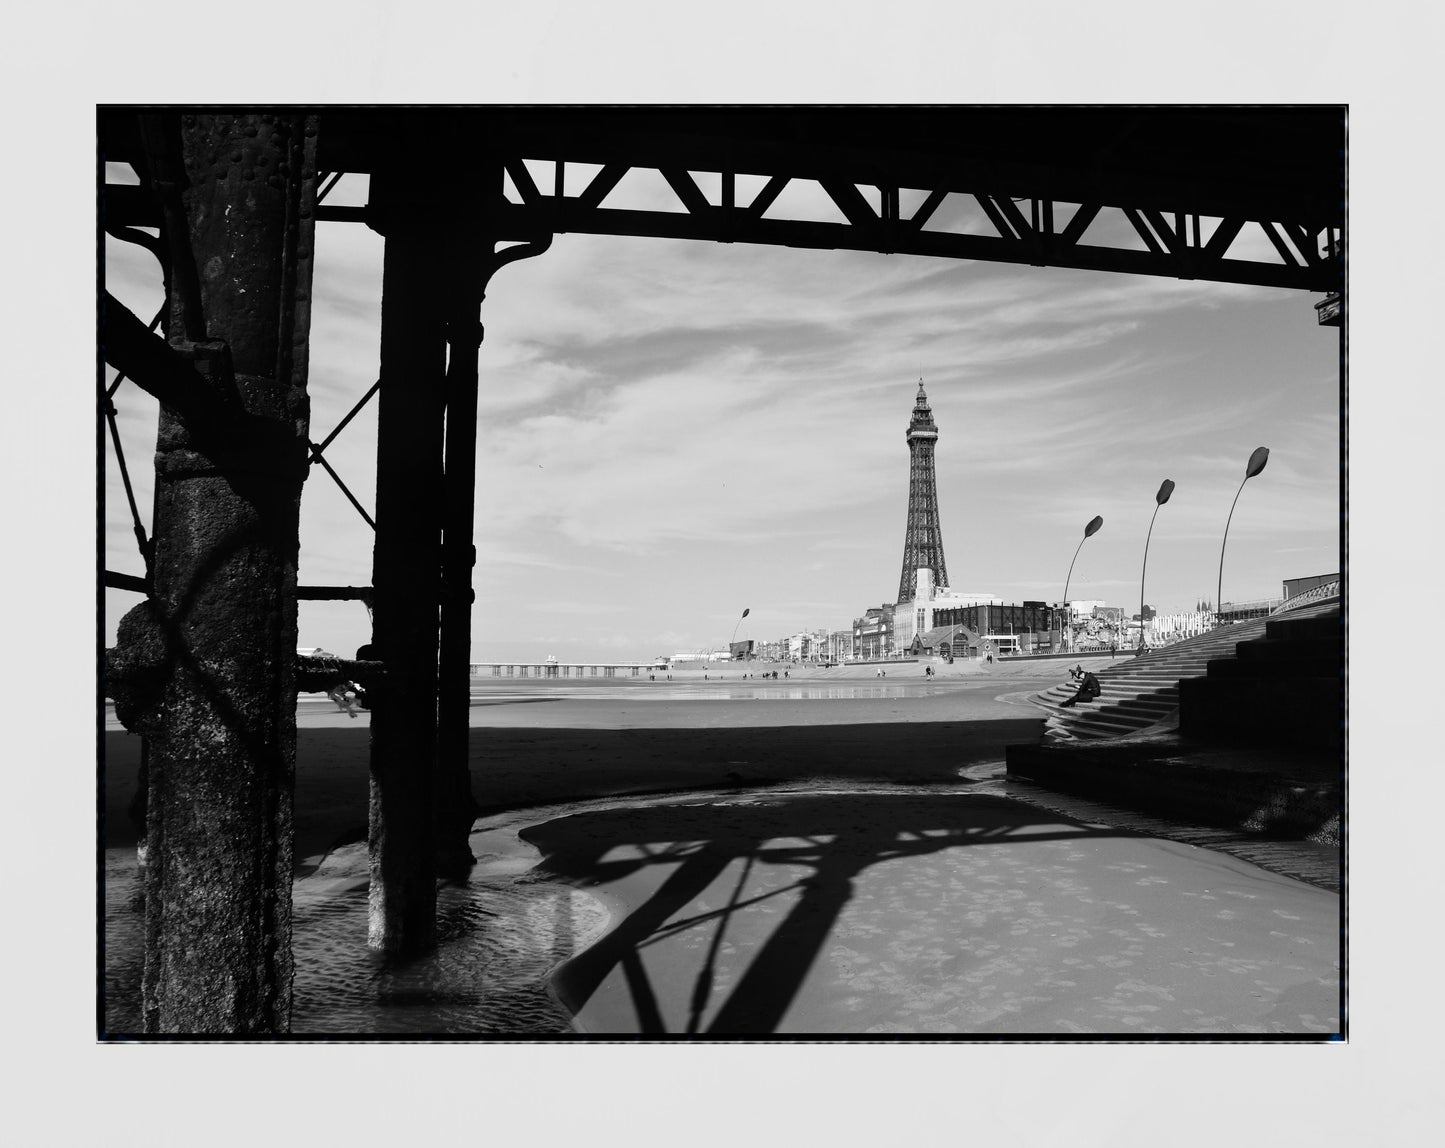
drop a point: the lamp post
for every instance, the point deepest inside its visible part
(1251, 468)
(1091, 529)
(736, 624)
(1165, 490)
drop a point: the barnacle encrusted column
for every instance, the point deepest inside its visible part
(210, 656)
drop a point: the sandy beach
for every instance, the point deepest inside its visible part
(537, 742)
(827, 855)
(889, 913)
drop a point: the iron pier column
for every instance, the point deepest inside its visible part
(405, 563)
(208, 661)
(456, 809)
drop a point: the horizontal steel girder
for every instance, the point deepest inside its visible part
(1258, 162)
(1168, 171)
(1182, 260)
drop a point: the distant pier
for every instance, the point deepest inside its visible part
(563, 669)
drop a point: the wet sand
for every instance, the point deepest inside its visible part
(539, 743)
(888, 913)
(844, 872)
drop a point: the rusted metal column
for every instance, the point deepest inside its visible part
(406, 562)
(208, 659)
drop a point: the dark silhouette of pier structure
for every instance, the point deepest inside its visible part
(205, 668)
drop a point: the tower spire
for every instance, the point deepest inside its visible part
(923, 539)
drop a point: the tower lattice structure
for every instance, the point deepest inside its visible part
(923, 542)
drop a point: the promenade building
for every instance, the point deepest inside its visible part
(930, 606)
(873, 633)
(949, 642)
(1011, 627)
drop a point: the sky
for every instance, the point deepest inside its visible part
(670, 432)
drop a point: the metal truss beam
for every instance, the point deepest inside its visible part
(1024, 229)
(1171, 173)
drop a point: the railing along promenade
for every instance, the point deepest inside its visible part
(1321, 593)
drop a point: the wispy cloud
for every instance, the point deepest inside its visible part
(669, 431)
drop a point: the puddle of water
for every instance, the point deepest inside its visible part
(498, 939)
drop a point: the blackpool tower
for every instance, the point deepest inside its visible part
(923, 543)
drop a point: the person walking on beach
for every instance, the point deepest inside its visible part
(345, 695)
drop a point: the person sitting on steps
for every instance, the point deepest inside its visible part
(1089, 689)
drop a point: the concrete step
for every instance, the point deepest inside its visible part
(1147, 707)
(1099, 727)
(1143, 702)
(1160, 669)
(1140, 709)
(1155, 677)
(1268, 649)
(1109, 723)
(1323, 626)
(1140, 689)
(1304, 712)
(1159, 665)
(1112, 715)
(1163, 690)
(1280, 667)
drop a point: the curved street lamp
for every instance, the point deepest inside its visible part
(736, 624)
(1252, 467)
(1166, 488)
(1089, 531)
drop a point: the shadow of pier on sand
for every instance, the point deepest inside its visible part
(744, 896)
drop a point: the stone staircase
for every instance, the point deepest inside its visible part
(1283, 687)
(1142, 694)
(1238, 728)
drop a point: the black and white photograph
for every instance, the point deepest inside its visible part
(781, 574)
(723, 572)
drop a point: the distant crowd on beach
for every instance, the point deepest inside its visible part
(722, 677)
